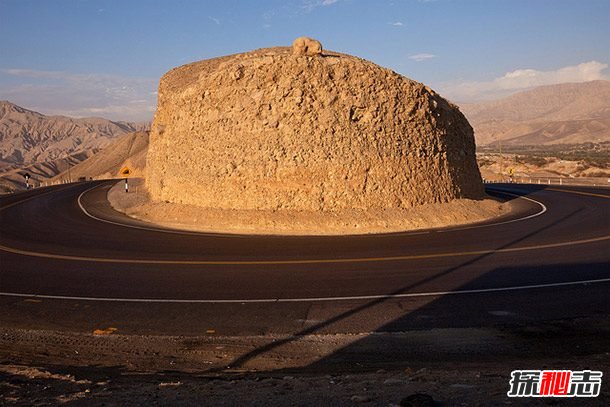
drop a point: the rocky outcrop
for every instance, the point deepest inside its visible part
(270, 130)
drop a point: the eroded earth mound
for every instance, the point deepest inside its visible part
(278, 130)
(272, 130)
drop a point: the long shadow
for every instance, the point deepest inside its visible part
(240, 361)
(565, 322)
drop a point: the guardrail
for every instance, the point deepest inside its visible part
(576, 181)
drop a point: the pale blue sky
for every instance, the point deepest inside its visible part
(104, 58)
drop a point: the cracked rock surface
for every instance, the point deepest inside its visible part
(270, 130)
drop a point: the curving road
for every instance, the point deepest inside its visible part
(70, 262)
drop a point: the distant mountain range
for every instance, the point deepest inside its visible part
(567, 113)
(28, 137)
(45, 146)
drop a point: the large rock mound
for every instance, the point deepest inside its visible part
(270, 130)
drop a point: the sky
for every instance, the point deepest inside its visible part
(105, 57)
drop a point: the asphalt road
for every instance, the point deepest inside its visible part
(69, 262)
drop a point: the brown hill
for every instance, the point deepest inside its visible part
(28, 137)
(129, 149)
(12, 180)
(564, 113)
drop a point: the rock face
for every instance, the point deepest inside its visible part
(270, 130)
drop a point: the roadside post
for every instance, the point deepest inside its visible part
(125, 172)
(27, 180)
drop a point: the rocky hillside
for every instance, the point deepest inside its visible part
(28, 137)
(127, 150)
(11, 179)
(565, 113)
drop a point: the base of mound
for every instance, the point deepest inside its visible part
(138, 205)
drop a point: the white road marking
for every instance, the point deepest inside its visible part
(312, 299)
(86, 212)
(543, 209)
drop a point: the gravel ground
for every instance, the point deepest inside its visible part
(104, 368)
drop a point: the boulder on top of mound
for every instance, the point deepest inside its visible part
(306, 46)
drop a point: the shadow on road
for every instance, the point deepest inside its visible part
(487, 327)
(244, 359)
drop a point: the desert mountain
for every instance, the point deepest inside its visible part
(554, 114)
(28, 137)
(127, 150)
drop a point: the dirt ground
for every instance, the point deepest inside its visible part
(102, 368)
(138, 205)
(22, 385)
